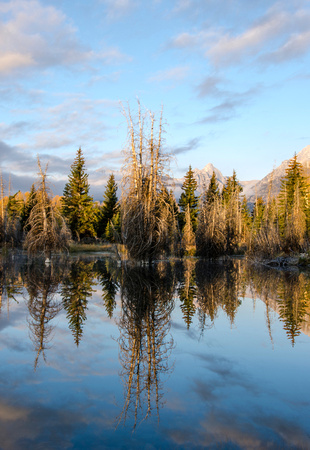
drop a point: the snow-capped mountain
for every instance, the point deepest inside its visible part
(251, 189)
(272, 181)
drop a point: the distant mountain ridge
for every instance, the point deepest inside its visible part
(252, 188)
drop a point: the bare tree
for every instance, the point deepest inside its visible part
(145, 210)
(48, 231)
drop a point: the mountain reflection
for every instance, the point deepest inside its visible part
(144, 343)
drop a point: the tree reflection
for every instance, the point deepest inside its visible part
(187, 291)
(42, 283)
(11, 282)
(293, 299)
(287, 293)
(108, 277)
(147, 303)
(76, 290)
(218, 286)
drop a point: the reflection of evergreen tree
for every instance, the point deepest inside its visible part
(218, 286)
(108, 278)
(187, 292)
(294, 297)
(290, 294)
(76, 289)
(209, 279)
(11, 283)
(42, 284)
(144, 346)
(231, 300)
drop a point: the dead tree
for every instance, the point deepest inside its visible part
(47, 229)
(145, 210)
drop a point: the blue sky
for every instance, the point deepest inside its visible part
(232, 76)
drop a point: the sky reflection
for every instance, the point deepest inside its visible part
(141, 361)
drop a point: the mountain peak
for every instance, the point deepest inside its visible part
(209, 168)
(304, 155)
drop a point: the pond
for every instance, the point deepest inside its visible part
(186, 354)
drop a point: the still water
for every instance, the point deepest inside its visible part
(184, 355)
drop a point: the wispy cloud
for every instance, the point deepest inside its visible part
(210, 87)
(191, 145)
(279, 35)
(227, 109)
(174, 74)
(36, 36)
(119, 8)
(283, 31)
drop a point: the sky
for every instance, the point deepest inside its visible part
(232, 78)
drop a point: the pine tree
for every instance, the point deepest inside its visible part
(109, 210)
(232, 188)
(246, 219)
(77, 204)
(213, 191)
(29, 204)
(189, 198)
(14, 210)
(293, 210)
(258, 214)
(232, 206)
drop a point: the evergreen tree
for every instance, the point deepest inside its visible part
(189, 198)
(232, 206)
(29, 204)
(293, 210)
(246, 218)
(232, 188)
(77, 204)
(109, 213)
(213, 191)
(14, 210)
(258, 214)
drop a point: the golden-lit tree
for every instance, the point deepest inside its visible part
(47, 229)
(145, 210)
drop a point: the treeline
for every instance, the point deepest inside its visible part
(147, 218)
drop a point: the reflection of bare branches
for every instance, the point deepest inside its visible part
(144, 346)
(42, 284)
(219, 286)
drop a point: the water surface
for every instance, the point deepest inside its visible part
(183, 355)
